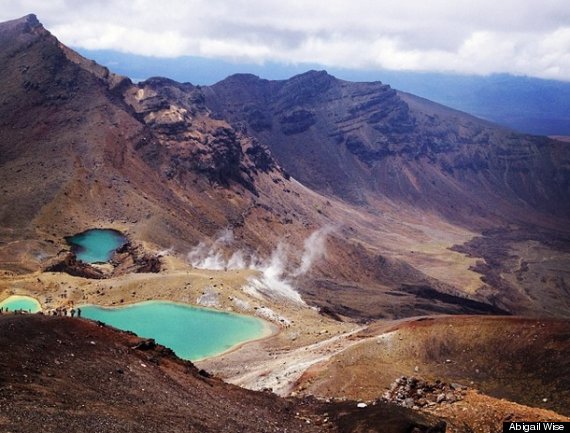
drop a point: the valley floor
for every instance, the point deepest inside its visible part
(311, 354)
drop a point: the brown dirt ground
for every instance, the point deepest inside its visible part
(517, 359)
(63, 374)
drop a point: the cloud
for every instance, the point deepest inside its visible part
(486, 36)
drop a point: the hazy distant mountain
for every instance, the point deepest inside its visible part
(531, 105)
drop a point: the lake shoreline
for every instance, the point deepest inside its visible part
(19, 299)
(289, 329)
(96, 245)
(195, 318)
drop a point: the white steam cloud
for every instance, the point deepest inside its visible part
(273, 280)
(275, 273)
(314, 249)
(211, 256)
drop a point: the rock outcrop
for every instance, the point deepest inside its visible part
(127, 259)
(184, 137)
(415, 393)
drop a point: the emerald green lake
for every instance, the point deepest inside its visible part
(25, 303)
(193, 333)
(97, 245)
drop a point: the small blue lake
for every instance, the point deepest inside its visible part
(25, 303)
(193, 333)
(96, 245)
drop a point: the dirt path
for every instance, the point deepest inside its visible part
(286, 366)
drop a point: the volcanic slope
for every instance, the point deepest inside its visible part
(350, 139)
(390, 152)
(513, 359)
(81, 147)
(74, 375)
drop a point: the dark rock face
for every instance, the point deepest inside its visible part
(133, 258)
(305, 88)
(221, 161)
(184, 137)
(261, 157)
(70, 265)
(353, 139)
(257, 119)
(296, 122)
(362, 151)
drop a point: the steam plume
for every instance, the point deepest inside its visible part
(314, 249)
(275, 277)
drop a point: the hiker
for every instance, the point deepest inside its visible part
(72, 312)
(79, 312)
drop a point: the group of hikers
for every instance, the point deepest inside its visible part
(61, 311)
(15, 311)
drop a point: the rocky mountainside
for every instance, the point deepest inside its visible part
(323, 206)
(356, 139)
(72, 374)
(81, 147)
(425, 209)
(380, 149)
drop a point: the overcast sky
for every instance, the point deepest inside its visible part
(522, 37)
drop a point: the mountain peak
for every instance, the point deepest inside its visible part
(314, 76)
(19, 33)
(26, 24)
(31, 20)
(315, 73)
(243, 78)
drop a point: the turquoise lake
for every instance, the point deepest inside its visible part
(21, 303)
(97, 245)
(193, 333)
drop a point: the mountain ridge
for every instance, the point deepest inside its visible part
(403, 180)
(526, 104)
(355, 218)
(387, 130)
